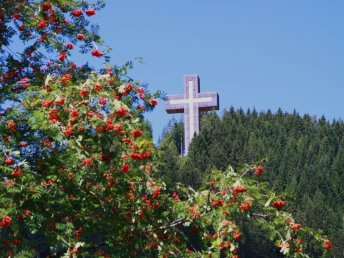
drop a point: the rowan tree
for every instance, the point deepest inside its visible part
(78, 162)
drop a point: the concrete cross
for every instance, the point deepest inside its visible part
(191, 103)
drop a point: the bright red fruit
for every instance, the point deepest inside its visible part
(83, 93)
(62, 56)
(16, 16)
(42, 25)
(59, 102)
(76, 13)
(97, 87)
(17, 172)
(225, 245)
(74, 113)
(97, 53)
(259, 170)
(296, 226)
(102, 101)
(87, 162)
(53, 115)
(68, 131)
(66, 78)
(11, 125)
(125, 168)
(278, 204)
(90, 12)
(136, 133)
(117, 128)
(245, 206)
(327, 244)
(46, 7)
(46, 103)
(237, 235)
(239, 189)
(6, 221)
(80, 36)
(70, 45)
(9, 160)
(156, 193)
(153, 102)
(175, 196)
(126, 140)
(217, 203)
(121, 111)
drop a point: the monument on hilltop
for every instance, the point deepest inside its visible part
(191, 103)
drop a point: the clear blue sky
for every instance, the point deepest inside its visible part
(263, 54)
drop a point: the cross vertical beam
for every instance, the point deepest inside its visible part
(191, 103)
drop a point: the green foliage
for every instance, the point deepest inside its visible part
(79, 168)
(305, 159)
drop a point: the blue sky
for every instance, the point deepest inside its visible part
(264, 54)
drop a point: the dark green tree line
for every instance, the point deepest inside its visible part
(305, 154)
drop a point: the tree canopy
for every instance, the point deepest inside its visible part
(79, 168)
(305, 157)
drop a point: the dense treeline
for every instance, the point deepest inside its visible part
(305, 159)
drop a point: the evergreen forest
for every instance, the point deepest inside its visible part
(303, 158)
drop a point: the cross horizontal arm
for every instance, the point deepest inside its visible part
(213, 102)
(173, 108)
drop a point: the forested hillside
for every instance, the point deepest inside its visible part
(305, 159)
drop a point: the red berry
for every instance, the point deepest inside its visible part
(125, 168)
(295, 227)
(16, 16)
(239, 189)
(70, 45)
(259, 170)
(87, 162)
(68, 131)
(136, 133)
(66, 78)
(102, 100)
(126, 140)
(97, 53)
(11, 125)
(90, 12)
(17, 172)
(6, 221)
(62, 56)
(278, 204)
(53, 115)
(9, 160)
(117, 128)
(156, 193)
(237, 235)
(121, 111)
(97, 87)
(153, 102)
(76, 13)
(80, 36)
(59, 102)
(83, 93)
(327, 244)
(46, 103)
(46, 7)
(42, 25)
(245, 206)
